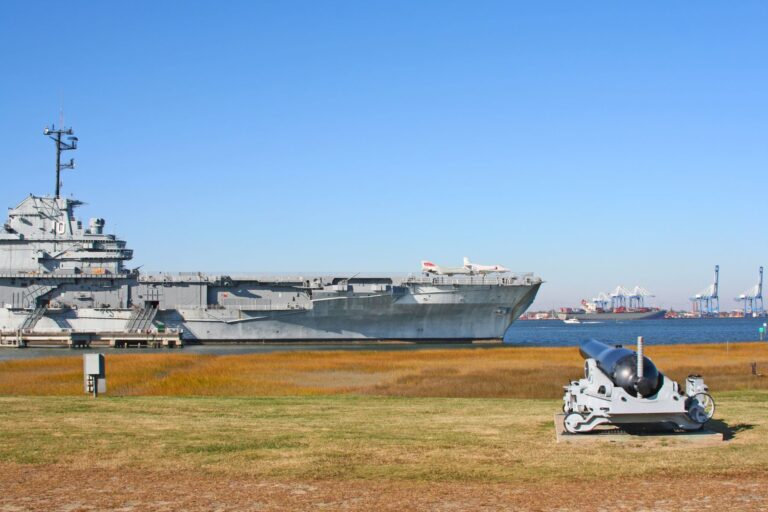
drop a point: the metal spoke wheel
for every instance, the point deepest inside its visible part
(572, 422)
(701, 408)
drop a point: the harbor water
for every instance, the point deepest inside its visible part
(538, 333)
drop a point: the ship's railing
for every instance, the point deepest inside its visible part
(510, 279)
(280, 306)
(187, 277)
(60, 275)
(173, 278)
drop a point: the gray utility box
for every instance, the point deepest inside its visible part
(94, 373)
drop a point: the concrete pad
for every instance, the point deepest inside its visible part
(612, 434)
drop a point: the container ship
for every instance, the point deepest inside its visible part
(621, 304)
(65, 282)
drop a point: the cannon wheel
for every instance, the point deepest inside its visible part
(572, 422)
(701, 408)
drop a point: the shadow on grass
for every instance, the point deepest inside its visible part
(728, 431)
(645, 429)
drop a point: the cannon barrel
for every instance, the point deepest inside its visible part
(620, 365)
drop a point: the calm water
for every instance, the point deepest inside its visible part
(529, 333)
(662, 331)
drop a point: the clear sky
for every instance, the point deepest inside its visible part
(595, 143)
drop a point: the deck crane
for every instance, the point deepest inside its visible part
(753, 298)
(602, 300)
(707, 301)
(619, 297)
(637, 297)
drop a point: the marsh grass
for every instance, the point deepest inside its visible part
(503, 372)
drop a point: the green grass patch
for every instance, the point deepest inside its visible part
(358, 437)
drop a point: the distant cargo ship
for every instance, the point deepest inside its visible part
(620, 304)
(612, 315)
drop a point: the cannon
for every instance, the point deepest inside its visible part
(622, 387)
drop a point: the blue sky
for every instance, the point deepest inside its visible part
(596, 143)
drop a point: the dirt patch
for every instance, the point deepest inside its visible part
(55, 487)
(339, 379)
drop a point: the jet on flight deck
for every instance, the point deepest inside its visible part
(469, 268)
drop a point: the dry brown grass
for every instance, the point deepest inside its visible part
(65, 488)
(509, 372)
(46, 488)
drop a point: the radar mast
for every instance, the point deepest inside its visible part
(61, 145)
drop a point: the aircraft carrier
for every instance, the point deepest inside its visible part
(63, 282)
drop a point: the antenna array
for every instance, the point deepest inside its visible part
(61, 145)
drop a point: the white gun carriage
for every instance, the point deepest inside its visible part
(622, 387)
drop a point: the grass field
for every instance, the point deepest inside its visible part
(420, 439)
(406, 430)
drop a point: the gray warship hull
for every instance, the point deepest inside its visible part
(423, 313)
(409, 309)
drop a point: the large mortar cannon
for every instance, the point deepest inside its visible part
(621, 366)
(622, 387)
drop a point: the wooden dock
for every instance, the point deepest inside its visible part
(76, 339)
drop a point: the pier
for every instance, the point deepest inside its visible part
(76, 339)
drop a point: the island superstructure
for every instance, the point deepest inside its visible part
(66, 281)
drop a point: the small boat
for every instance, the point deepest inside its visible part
(571, 321)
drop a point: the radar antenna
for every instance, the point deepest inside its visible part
(61, 145)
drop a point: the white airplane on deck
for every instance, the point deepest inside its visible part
(474, 268)
(431, 268)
